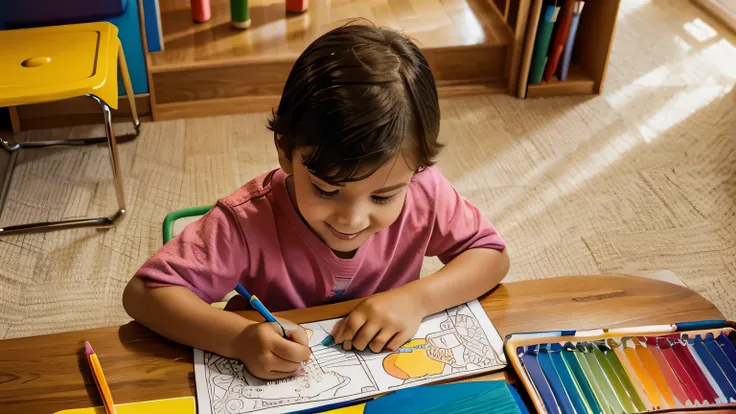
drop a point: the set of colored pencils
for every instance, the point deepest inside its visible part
(633, 374)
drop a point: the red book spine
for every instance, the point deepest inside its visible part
(558, 43)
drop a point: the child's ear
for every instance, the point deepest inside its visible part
(284, 158)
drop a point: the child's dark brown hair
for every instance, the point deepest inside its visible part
(354, 99)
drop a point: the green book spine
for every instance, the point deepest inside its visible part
(541, 44)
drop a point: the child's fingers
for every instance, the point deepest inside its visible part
(347, 345)
(275, 375)
(265, 373)
(397, 341)
(298, 335)
(336, 328)
(290, 351)
(365, 335)
(276, 364)
(381, 340)
(294, 332)
(350, 327)
(268, 375)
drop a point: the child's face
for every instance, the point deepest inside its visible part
(345, 216)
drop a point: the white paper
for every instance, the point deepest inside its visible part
(458, 342)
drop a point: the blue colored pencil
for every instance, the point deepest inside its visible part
(259, 307)
(328, 341)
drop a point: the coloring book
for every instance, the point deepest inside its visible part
(457, 342)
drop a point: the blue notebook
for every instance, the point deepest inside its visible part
(494, 397)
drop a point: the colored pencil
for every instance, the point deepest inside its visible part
(531, 363)
(568, 381)
(640, 371)
(613, 378)
(259, 307)
(568, 355)
(99, 378)
(554, 380)
(728, 390)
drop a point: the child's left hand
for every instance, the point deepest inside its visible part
(383, 321)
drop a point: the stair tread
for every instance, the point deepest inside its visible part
(432, 24)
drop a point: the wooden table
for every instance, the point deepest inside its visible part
(44, 374)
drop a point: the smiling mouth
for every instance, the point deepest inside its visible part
(341, 235)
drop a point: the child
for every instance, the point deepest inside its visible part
(351, 213)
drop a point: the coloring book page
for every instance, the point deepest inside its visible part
(457, 342)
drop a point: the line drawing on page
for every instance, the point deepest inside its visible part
(460, 346)
(457, 342)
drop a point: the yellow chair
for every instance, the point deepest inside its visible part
(61, 62)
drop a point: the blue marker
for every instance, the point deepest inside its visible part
(258, 306)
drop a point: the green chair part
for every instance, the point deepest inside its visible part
(175, 222)
(187, 215)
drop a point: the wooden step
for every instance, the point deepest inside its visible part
(264, 103)
(466, 43)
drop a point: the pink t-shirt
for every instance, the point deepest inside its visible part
(256, 237)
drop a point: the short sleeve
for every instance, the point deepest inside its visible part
(458, 225)
(208, 257)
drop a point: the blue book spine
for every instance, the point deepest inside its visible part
(567, 54)
(152, 20)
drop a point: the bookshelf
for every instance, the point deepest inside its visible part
(590, 53)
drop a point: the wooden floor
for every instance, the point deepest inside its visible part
(431, 23)
(213, 69)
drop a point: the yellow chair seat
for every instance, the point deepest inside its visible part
(59, 62)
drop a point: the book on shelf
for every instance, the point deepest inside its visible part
(541, 43)
(562, 29)
(555, 40)
(564, 67)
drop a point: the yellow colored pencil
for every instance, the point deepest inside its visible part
(100, 380)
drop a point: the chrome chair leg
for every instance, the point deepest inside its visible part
(112, 145)
(108, 221)
(11, 146)
(102, 222)
(15, 146)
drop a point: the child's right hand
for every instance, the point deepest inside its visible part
(268, 355)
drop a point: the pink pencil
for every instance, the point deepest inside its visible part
(88, 349)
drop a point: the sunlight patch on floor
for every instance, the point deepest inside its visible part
(685, 46)
(700, 30)
(679, 108)
(721, 54)
(630, 6)
(682, 106)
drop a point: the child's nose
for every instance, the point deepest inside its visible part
(351, 222)
(352, 218)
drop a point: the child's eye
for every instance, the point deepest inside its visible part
(383, 200)
(324, 194)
